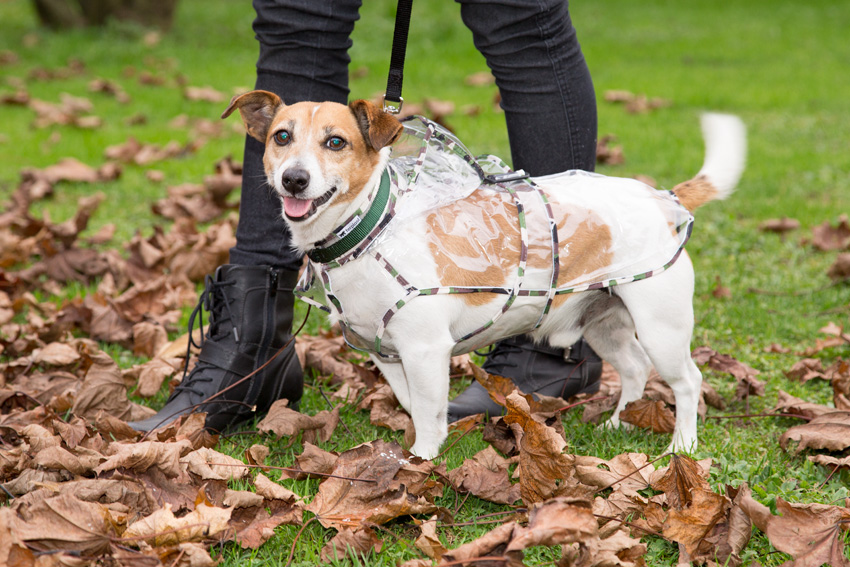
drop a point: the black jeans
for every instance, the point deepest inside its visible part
(530, 46)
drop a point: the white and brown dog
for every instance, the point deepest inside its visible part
(326, 160)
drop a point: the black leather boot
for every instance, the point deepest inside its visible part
(250, 319)
(535, 369)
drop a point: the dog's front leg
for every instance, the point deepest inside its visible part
(426, 367)
(393, 372)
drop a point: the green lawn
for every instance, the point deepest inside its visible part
(781, 65)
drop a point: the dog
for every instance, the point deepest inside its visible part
(326, 162)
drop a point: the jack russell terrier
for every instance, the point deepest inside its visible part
(434, 253)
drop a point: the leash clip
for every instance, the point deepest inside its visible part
(392, 106)
(506, 177)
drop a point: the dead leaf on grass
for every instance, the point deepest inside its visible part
(691, 524)
(63, 523)
(830, 431)
(162, 528)
(486, 476)
(780, 226)
(628, 473)
(546, 471)
(811, 533)
(608, 154)
(428, 541)
(285, 422)
(679, 480)
(827, 237)
(840, 269)
(355, 542)
(369, 491)
(649, 415)
(789, 404)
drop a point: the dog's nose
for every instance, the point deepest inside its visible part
(295, 180)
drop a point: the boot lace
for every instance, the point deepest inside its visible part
(215, 301)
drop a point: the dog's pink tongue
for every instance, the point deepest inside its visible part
(296, 207)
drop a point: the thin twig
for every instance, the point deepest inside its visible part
(459, 506)
(749, 415)
(290, 469)
(834, 470)
(633, 472)
(322, 392)
(582, 402)
(475, 522)
(475, 560)
(461, 436)
(297, 536)
(179, 557)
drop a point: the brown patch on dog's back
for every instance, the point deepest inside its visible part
(695, 192)
(584, 245)
(475, 242)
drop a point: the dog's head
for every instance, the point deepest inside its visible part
(320, 157)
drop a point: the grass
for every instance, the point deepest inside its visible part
(781, 65)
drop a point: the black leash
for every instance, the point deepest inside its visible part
(392, 98)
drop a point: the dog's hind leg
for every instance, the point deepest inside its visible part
(662, 310)
(612, 336)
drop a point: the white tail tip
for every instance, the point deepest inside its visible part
(725, 151)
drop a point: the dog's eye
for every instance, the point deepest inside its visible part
(335, 143)
(282, 138)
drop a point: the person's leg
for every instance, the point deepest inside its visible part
(303, 56)
(550, 110)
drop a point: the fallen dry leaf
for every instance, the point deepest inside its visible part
(827, 237)
(63, 523)
(628, 473)
(286, 422)
(780, 226)
(162, 528)
(683, 476)
(830, 431)
(789, 404)
(606, 153)
(689, 525)
(806, 369)
(649, 415)
(356, 542)
(486, 476)
(146, 454)
(545, 470)
(369, 491)
(811, 533)
(428, 541)
(840, 269)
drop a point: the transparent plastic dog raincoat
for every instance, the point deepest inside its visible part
(454, 224)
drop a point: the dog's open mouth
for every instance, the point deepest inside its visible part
(299, 209)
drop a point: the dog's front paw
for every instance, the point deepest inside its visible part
(425, 450)
(681, 445)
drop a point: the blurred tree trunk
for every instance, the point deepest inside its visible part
(64, 14)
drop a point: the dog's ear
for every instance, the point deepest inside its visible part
(379, 128)
(257, 109)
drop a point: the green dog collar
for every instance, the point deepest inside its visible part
(360, 232)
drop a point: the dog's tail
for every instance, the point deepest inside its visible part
(725, 156)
